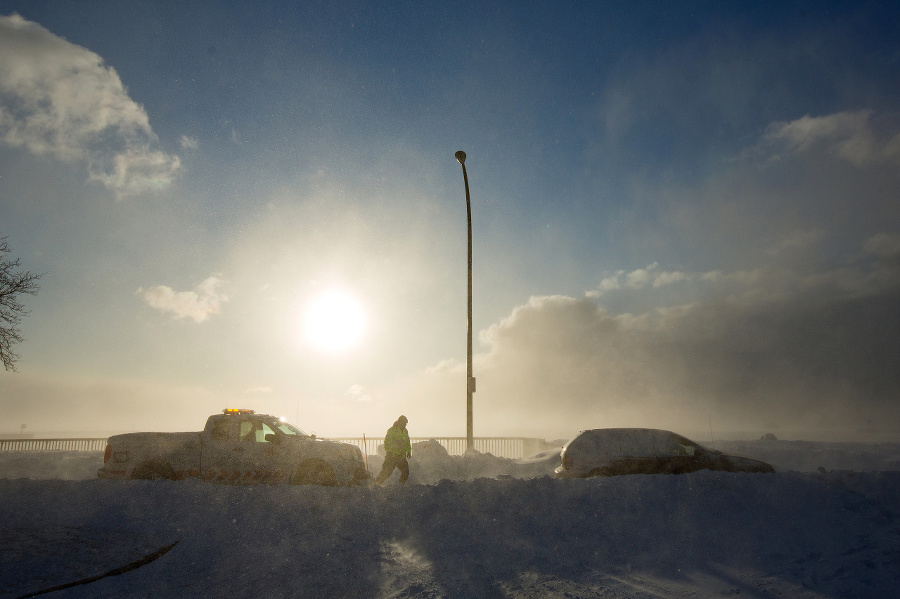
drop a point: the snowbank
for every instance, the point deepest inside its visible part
(706, 534)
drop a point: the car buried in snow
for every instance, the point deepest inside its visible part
(617, 451)
(238, 447)
(539, 464)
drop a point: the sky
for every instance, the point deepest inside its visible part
(684, 215)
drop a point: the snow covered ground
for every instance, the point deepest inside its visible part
(827, 524)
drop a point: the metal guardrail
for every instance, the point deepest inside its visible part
(506, 447)
(52, 444)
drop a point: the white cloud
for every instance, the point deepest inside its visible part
(445, 367)
(204, 301)
(850, 134)
(59, 99)
(189, 143)
(610, 283)
(358, 392)
(136, 170)
(668, 278)
(641, 278)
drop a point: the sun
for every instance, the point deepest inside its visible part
(334, 321)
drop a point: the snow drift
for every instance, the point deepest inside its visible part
(706, 534)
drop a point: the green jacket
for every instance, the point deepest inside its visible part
(396, 441)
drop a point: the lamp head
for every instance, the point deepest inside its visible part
(461, 157)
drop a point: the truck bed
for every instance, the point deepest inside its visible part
(180, 450)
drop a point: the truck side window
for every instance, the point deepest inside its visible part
(254, 431)
(247, 430)
(219, 430)
(261, 435)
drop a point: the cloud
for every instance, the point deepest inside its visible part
(639, 279)
(358, 392)
(199, 304)
(262, 389)
(803, 193)
(59, 99)
(445, 367)
(135, 170)
(764, 348)
(850, 135)
(189, 143)
(884, 245)
(796, 240)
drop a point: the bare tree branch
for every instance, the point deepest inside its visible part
(13, 283)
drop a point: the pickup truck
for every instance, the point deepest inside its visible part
(239, 447)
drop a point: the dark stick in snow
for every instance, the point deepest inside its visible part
(114, 572)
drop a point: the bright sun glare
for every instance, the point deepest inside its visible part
(334, 321)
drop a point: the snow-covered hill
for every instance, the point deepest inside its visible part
(477, 526)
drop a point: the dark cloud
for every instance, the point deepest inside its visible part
(762, 349)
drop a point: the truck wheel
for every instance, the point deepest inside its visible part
(153, 471)
(315, 473)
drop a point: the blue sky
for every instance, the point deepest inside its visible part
(683, 213)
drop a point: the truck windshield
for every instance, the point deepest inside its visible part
(288, 429)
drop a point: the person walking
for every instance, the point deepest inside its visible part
(397, 450)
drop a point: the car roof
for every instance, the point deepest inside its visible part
(603, 430)
(627, 441)
(635, 433)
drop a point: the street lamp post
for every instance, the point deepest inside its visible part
(470, 380)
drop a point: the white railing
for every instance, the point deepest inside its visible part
(506, 447)
(52, 444)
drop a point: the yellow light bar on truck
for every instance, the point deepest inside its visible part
(237, 411)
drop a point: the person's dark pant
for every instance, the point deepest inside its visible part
(391, 462)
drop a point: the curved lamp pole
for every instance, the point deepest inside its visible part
(470, 380)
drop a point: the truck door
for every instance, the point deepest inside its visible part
(258, 456)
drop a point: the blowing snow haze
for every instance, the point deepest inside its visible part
(684, 216)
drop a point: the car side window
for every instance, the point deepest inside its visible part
(676, 446)
(688, 450)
